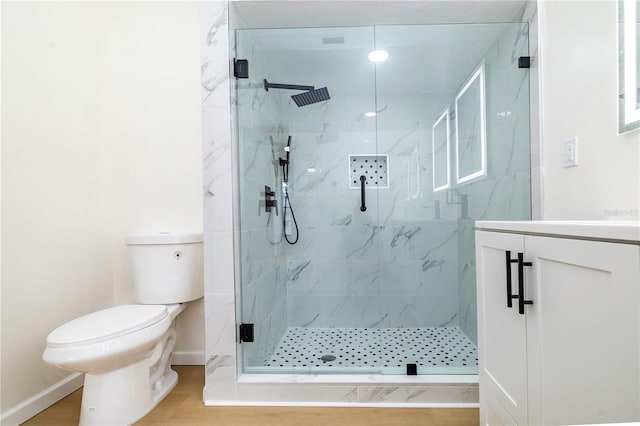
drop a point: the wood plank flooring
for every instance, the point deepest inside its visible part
(183, 406)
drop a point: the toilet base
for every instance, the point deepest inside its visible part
(123, 396)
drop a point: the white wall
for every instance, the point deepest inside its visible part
(579, 71)
(150, 78)
(100, 139)
(56, 201)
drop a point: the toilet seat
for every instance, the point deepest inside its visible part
(106, 324)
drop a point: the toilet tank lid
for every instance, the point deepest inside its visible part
(163, 238)
(106, 324)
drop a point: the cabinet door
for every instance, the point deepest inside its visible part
(493, 413)
(583, 331)
(502, 360)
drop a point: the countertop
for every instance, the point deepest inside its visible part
(626, 231)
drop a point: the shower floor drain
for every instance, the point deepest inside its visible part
(383, 347)
(328, 358)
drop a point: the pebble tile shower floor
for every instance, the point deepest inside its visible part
(364, 347)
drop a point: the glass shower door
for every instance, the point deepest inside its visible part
(315, 304)
(454, 121)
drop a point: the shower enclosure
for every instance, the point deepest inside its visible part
(359, 184)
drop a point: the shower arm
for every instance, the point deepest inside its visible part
(268, 86)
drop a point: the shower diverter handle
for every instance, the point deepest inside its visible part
(363, 205)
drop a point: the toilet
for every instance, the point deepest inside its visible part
(125, 351)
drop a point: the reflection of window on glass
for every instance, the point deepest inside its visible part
(440, 152)
(629, 65)
(471, 152)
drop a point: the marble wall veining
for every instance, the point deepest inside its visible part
(220, 297)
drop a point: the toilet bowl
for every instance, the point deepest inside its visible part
(125, 351)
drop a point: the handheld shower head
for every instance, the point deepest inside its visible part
(288, 147)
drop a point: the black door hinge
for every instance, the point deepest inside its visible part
(241, 68)
(524, 62)
(246, 333)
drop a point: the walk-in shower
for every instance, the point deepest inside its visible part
(439, 131)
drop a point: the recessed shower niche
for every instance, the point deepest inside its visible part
(375, 169)
(389, 289)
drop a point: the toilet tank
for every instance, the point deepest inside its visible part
(167, 268)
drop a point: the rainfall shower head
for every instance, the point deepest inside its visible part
(310, 96)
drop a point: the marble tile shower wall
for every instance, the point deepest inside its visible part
(262, 133)
(220, 310)
(505, 193)
(391, 266)
(396, 265)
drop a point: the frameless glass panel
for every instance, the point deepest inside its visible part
(314, 303)
(427, 248)
(357, 251)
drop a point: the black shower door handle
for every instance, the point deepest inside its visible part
(363, 206)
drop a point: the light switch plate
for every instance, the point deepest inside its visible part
(571, 152)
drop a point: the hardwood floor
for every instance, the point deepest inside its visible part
(183, 406)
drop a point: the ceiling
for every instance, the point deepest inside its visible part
(313, 13)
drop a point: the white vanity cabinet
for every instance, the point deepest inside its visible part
(568, 350)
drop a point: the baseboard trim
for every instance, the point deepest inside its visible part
(188, 358)
(42, 400)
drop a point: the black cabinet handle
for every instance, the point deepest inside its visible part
(363, 206)
(510, 295)
(521, 301)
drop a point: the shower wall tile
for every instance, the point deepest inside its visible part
(334, 278)
(338, 208)
(217, 201)
(400, 278)
(214, 49)
(417, 394)
(442, 309)
(300, 394)
(216, 139)
(351, 311)
(354, 243)
(301, 277)
(305, 311)
(218, 258)
(220, 318)
(220, 383)
(404, 311)
(366, 277)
